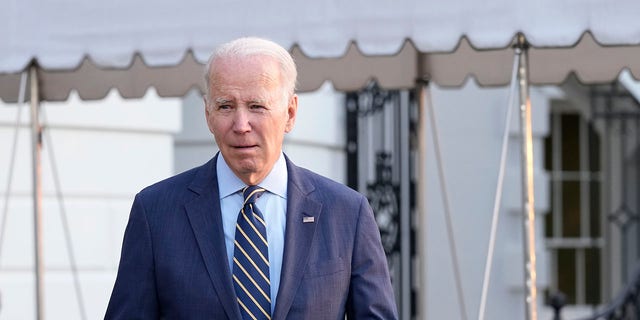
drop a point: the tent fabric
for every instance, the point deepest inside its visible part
(92, 46)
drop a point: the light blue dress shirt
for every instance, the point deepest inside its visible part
(272, 204)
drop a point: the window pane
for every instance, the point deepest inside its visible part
(548, 149)
(570, 142)
(592, 276)
(594, 150)
(570, 208)
(567, 274)
(548, 218)
(594, 203)
(548, 224)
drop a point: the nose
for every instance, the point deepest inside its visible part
(241, 121)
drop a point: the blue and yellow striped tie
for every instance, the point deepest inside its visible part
(251, 259)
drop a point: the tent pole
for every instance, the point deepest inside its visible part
(421, 94)
(521, 50)
(36, 148)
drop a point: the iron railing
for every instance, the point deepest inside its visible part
(626, 306)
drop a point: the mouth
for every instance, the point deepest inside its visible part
(244, 147)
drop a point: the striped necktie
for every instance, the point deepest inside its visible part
(251, 259)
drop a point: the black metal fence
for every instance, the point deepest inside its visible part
(381, 135)
(626, 306)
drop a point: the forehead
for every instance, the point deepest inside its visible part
(245, 71)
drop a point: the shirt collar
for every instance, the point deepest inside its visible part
(275, 182)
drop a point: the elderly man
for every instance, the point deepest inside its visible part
(249, 235)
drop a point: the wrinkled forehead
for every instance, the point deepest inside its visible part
(260, 67)
(257, 78)
(246, 73)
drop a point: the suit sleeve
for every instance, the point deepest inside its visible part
(370, 292)
(134, 293)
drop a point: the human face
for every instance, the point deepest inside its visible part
(248, 114)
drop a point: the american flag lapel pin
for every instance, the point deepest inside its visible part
(308, 219)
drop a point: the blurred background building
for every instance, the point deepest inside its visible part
(97, 155)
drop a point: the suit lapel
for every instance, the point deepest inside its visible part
(302, 218)
(206, 221)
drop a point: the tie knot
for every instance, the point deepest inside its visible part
(252, 193)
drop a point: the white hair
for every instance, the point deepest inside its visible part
(251, 46)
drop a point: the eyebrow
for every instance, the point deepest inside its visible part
(257, 101)
(222, 101)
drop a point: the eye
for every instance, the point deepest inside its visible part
(224, 107)
(257, 107)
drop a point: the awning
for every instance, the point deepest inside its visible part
(93, 46)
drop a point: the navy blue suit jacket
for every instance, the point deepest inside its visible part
(174, 265)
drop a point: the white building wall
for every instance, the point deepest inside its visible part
(105, 152)
(470, 125)
(109, 150)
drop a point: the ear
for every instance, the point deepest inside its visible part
(292, 110)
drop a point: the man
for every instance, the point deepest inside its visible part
(200, 246)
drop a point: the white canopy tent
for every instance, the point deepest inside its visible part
(93, 46)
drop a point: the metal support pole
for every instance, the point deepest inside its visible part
(36, 147)
(527, 180)
(405, 214)
(421, 97)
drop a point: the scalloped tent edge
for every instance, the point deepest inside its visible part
(589, 61)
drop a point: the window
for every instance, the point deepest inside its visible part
(572, 227)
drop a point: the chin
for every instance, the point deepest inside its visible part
(246, 167)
